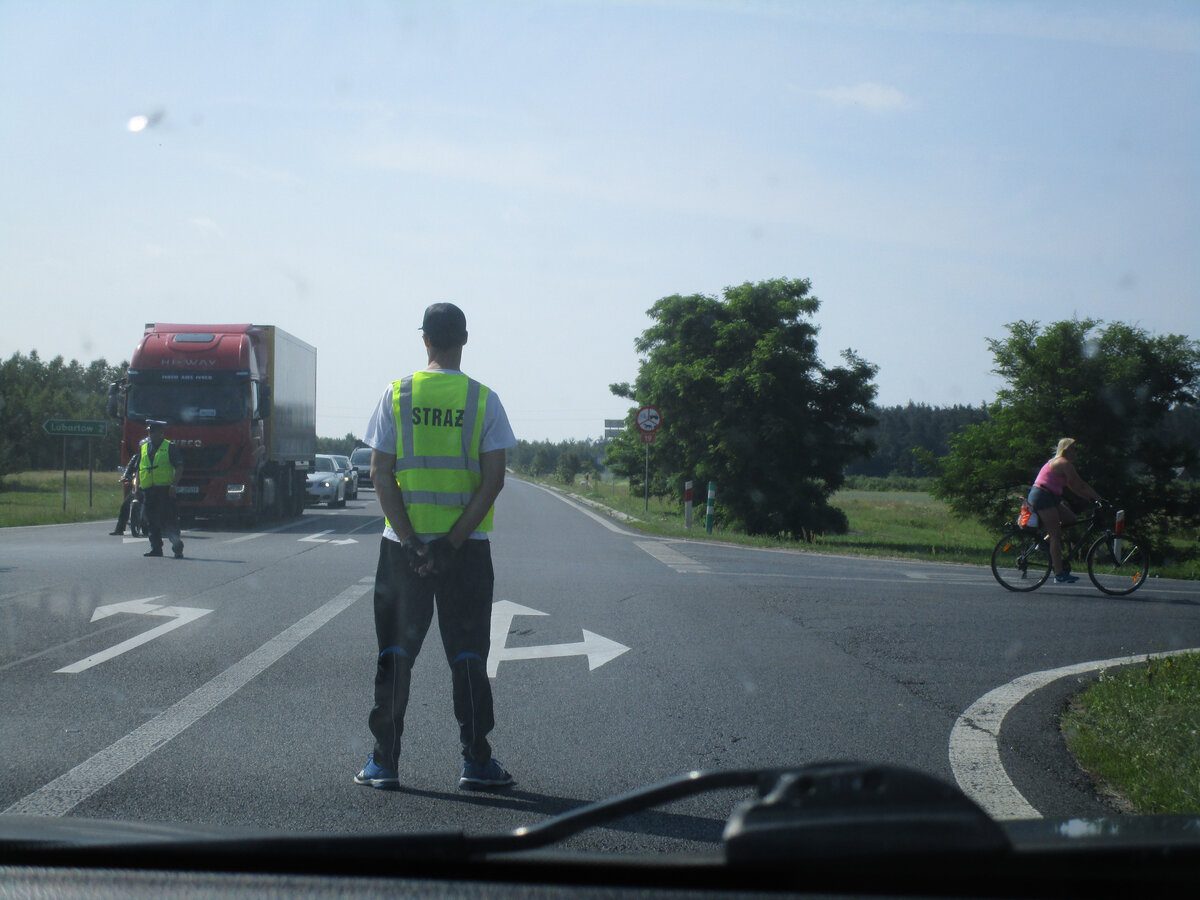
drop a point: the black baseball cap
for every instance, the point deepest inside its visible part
(445, 325)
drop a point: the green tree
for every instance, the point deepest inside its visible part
(747, 403)
(542, 461)
(1112, 388)
(901, 431)
(568, 467)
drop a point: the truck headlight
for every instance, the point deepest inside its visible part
(234, 493)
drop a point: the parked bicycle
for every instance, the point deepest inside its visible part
(1117, 562)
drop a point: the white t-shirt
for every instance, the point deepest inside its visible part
(497, 434)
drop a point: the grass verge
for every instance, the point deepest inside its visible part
(1136, 731)
(36, 498)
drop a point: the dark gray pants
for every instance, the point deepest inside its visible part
(161, 519)
(404, 604)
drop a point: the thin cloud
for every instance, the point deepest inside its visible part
(876, 98)
(207, 226)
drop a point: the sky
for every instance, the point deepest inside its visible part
(937, 170)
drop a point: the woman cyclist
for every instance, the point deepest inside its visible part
(1045, 499)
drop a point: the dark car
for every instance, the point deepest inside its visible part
(360, 459)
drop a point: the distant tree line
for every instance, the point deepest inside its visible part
(901, 437)
(33, 391)
(564, 460)
(906, 437)
(900, 431)
(342, 446)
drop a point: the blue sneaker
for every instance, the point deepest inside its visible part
(377, 776)
(476, 777)
(1066, 578)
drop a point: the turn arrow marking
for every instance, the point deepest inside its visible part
(319, 539)
(180, 615)
(129, 606)
(595, 647)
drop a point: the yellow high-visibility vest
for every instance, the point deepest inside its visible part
(439, 422)
(156, 472)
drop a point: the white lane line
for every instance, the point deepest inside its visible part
(669, 556)
(257, 534)
(60, 796)
(975, 754)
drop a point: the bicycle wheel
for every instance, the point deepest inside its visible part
(1118, 564)
(1020, 561)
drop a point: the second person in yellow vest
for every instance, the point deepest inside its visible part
(160, 468)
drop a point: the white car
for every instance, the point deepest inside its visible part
(349, 473)
(326, 483)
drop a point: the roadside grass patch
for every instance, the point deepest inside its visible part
(1136, 731)
(910, 525)
(36, 498)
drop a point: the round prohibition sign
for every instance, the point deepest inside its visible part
(648, 419)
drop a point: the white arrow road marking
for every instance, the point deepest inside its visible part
(596, 648)
(142, 606)
(319, 538)
(180, 614)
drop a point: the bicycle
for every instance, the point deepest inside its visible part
(1117, 562)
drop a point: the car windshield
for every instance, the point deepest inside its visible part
(714, 351)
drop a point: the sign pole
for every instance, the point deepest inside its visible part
(646, 481)
(64, 473)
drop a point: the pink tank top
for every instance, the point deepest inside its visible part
(1051, 479)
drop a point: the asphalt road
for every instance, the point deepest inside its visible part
(619, 660)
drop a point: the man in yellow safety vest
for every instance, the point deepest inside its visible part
(160, 468)
(438, 444)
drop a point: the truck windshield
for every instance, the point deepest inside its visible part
(188, 404)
